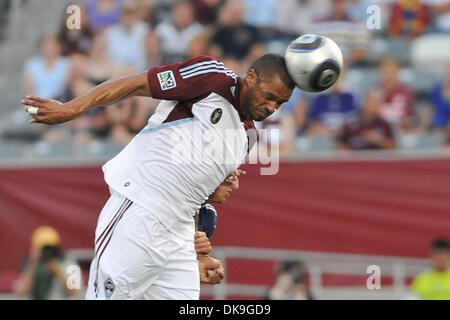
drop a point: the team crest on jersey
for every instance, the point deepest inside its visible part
(109, 288)
(216, 115)
(166, 80)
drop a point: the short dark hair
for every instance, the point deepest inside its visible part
(269, 64)
(440, 244)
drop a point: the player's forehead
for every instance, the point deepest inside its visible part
(274, 86)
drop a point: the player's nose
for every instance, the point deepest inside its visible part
(271, 109)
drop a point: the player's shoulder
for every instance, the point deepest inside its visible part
(198, 61)
(210, 73)
(202, 58)
(206, 66)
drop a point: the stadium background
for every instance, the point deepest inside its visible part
(336, 209)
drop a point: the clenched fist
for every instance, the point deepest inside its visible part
(211, 270)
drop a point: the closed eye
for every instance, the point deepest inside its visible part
(272, 97)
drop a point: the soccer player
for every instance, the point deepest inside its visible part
(206, 224)
(143, 239)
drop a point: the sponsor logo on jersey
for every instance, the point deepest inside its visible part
(109, 288)
(166, 80)
(216, 115)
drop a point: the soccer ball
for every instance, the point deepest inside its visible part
(314, 62)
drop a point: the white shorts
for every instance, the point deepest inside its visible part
(136, 257)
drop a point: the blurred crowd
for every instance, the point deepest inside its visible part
(47, 273)
(120, 37)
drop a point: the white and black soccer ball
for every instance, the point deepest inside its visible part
(314, 62)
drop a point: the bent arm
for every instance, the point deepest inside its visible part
(112, 91)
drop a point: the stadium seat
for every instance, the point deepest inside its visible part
(421, 141)
(10, 150)
(315, 143)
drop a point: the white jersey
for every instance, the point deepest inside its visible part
(195, 139)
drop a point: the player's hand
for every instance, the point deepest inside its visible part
(211, 270)
(233, 177)
(49, 111)
(202, 244)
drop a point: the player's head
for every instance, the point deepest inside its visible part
(267, 86)
(440, 254)
(223, 191)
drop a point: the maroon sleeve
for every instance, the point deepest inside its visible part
(189, 79)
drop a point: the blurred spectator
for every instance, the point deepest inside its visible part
(368, 130)
(440, 101)
(206, 10)
(153, 50)
(103, 13)
(441, 15)
(177, 33)
(129, 116)
(149, 12)
(290, 283)
(294, 17)
(99, 66)
(350, 34)
(259, 13)
(409, 18)
(338, 12)
(199, 46)
(125, 42)
(44, 271)
(46, 75)
(76, 40)
(329, 111)
(233, 38)
(398, 108)
(435, 284)
(357, 9)
(89, 126)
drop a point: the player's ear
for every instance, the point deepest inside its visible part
(251, 77)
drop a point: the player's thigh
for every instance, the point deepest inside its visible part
(132, 256)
